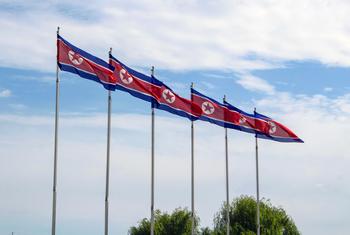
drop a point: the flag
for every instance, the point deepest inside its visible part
(212, 110)
(238, 119)
(150, 89)
(131, 81)
(263, 126)
(72, 59)
(169, 101)
(225, 115)
(270, 129)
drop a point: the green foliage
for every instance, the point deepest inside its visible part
(273, 220)
(176, 223)
(206, 231)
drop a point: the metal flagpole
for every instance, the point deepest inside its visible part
(108, 156)
(152, 167)
(257, 185)
(54, 193)
(192, 177)
(227, 184)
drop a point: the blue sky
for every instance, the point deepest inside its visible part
(290, 59)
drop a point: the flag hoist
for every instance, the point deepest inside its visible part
(75, 60)
(150, 89)
(192, 175)
(54, 191)
(266, 128)
(216, 113)
(257, 185)
(109, 107)
(227, 182)
(152, 162)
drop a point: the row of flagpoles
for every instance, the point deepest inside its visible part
(115, 75)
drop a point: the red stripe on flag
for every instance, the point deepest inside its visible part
(68, 56)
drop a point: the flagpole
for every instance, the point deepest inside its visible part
(152, 166)
(227, 184)
(192, 176)
(54, 191)
(108, 157)
(257, 184)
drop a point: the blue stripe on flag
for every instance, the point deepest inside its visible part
(87, 55)
(172, 110)
(83, 74)
(137, 74)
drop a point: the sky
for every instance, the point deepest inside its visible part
(289, 59)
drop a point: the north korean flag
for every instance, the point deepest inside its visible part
(168, 100)
(132, 81)
(270, 129)
(238, 119)
(72, 59)
(150, 89)
(263, 126)
(212, 110)
(224, 115)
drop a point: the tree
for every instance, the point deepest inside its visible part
(206, 231)
(273, 220)
(176, 223)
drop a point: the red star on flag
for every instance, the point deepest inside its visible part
(168, 96)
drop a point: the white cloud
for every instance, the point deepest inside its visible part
(136, 122)
(318, 105)
(327, 89)
(208, 85)
(82, 149)
(231, 35)
(216, 76)
(178, 86)
(5, 93)
(254, 83)
(40, 78)
(18, 106)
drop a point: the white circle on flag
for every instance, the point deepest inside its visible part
(125, 77)
(168, 96)
(272, 127)
(242, 120)
(75, 58)
(208, 108)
